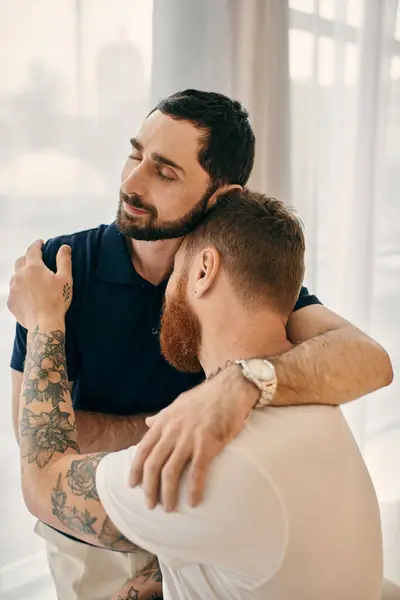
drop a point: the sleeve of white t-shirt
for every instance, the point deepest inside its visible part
(240, 524)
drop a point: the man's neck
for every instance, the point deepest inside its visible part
(242, 336)
(153, 261)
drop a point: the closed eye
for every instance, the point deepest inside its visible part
(165, 177)
(158, 167)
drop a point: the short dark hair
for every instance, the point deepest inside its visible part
(227, 147)
(261, 244)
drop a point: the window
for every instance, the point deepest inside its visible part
(345, 182)
(75, 83)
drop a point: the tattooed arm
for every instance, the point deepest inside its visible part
(97, 432)
(146, 585)
(58, 483)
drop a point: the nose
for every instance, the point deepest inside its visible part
(134, 181)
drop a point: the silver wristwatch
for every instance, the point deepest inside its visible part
(261, 373)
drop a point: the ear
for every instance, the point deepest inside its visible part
(223, 189)
(205, 269)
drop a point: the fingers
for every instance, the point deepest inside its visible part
(172, 473)
(64, 261)
(157, 418)
(160, 462)
(151, 420)
(34, 252)
(165, 465)
(153, 467)
(145, 447)
(197, 473)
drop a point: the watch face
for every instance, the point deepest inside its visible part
(261, 369)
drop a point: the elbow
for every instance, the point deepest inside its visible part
(388, 373)
(385, 369)
(376, 369)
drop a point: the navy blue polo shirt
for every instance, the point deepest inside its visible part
(112, 326)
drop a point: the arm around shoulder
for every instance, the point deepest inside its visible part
(239, 506)
(333, 361)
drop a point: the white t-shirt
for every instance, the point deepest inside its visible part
(289, 513)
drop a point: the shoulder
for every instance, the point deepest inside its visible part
(79, 240)
(83, 243)
(240, 509)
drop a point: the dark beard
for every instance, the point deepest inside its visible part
(156, 229)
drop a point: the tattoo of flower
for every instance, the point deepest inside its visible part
(46, 433)
(111, 537)
(132, 594)
(70, 516)
(45, 377)
(152, 571)
(78, 520)
(82, 476)
(45, 374)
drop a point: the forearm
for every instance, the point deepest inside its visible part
(46, 415)
(332, 368)
(58, 482)
(100, 432)
(145, 585)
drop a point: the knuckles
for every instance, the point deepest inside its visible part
(169, 474)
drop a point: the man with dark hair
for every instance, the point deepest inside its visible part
(289, 509)
(192, 148)
(226, 151)
(223, 141)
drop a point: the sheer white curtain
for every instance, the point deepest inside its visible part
(239, 48)
(345, 107)
(321, 79)
(75, 83)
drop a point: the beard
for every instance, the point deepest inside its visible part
(154, 229)
(180, 334)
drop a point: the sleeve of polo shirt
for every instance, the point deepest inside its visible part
(240, 511)
(305, 299)
(49, 251)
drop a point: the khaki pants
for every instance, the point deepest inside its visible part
(83, 572)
